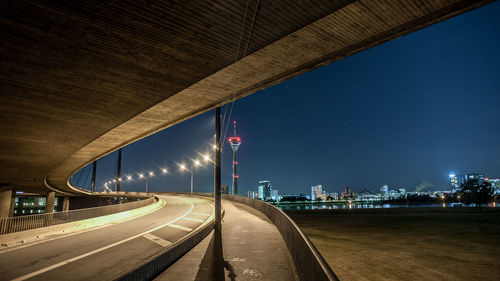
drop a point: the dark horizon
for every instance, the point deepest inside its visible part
(406, 113)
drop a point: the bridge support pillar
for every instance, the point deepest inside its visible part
(66, 204)
(12, 204)
(5, 201)
(49, 202)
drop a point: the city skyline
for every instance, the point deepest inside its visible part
(405, 114)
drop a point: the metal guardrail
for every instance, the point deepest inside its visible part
(22, 223)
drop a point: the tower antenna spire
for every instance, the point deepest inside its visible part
(235, 142)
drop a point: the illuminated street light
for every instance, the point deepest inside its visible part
(129, 178)
(196, 162)
(164, 170)
(206, 157)
(141, 176)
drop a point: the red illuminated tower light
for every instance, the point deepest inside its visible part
(235, 142)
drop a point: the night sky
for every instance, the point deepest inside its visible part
(406, 113)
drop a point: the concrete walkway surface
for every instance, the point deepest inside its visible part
(249, 247)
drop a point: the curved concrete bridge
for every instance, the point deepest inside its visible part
(80, 80)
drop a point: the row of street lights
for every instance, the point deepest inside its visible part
(164, 171)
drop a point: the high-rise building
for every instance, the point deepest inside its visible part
(471, 176)
(264, 190)
(316, 192)
(454, 181)
(274, 194)
(347, 193)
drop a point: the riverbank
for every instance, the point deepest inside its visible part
(407, 243)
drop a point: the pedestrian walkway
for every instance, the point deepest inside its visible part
(248, 248)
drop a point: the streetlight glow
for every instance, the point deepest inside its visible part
(196, 162)
(183, 167)
(129, 178)
(141, 176)
(151, 174)
(206, 157)
(164, 170)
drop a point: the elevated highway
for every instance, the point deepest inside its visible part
(106, 252)
(82, 79)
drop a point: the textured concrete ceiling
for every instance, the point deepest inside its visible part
(81, 79)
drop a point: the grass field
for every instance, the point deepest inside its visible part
(407, 243)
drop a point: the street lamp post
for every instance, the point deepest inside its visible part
(151, 174)
(184, 168)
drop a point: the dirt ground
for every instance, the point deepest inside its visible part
(407, 243)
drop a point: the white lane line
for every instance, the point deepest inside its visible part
(191, 219)
(49, 268)
(181, 227)
(201, 214)
(157, 240)
(14, 248)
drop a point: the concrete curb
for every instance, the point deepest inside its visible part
(23, 237)
(158, 263)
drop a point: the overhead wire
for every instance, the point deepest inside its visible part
(236, 56)
(226, 126)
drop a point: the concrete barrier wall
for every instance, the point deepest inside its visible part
(160, 262)
(308, 261)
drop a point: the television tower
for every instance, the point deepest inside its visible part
(235, 142)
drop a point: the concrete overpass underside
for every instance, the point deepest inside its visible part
(80, 80)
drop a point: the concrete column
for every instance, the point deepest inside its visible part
(49, 203)
(66, 204)
(5, 201)
(12, 204)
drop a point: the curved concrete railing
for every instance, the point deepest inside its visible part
(158, 263)
(28, 222)
(308, 261)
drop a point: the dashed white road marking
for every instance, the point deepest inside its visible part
(191, 219)
(180, 227)
(157, 240)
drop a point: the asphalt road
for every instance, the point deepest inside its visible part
(108, 252)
